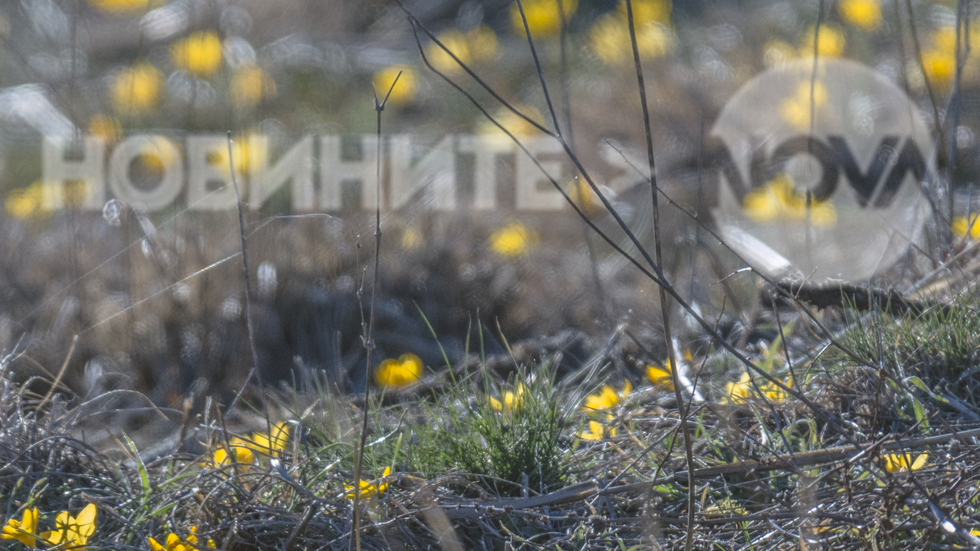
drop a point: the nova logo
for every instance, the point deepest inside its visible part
(821, 171)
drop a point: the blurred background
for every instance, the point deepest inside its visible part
(156, 298)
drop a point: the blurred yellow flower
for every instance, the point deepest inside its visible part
(897, 463)
(964, 230)
(513, 400)
(865, 14)
(266, 444)
(543, 16)
(513, 240)
(158, 154)
(780, 201)
(246, 155)
(795, 109)
(137, 88)
(250, 85)
(404, 91)
(174, 543)
(483, 44)
(775, 394)
(597, 431)
(512, 122)
(369, 490)
(645, 11)
(23, 530)
(119, 6)
(660, 376)
(609, 38)
(240, 455)
(199, 54)
(106, 127)
(606, 398)
(411, 238)
(939, 67)
(738, 392)
(830, 43)
(73, 531)
(24, 203)
(454, 41)
(400, 372)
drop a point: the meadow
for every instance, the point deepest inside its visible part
(294, 348)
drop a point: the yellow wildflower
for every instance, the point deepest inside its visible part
(780, 201)
(411, 238)
(964, 230)
(738, 392)
(250, 85)
(939, 66)
(137, 89)
(513, 400)
(73, 531)
(543, 16)
(513, 240)
(404, 91)
(245, 154)
(597, 431)
(174, 543)
(199, 54)
(369, 490)
(645, 11)
(23, 530)
(609, 38)
(606, 398)
(240, 455)
(454, 41)
(897, 463)
(24, 203)
(119, 6)
(400, 372)
(865, 14)
(795, 109)
(661, 376)
(775, 394)
(105, 127)
(266, 444)
(830, 43)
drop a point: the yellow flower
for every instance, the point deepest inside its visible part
(897, 463)
(245, 155)
(199, 54)
(404, 91)
(795, 109)
(865, 14)
(24, 203)
(105, 127)
(660, 376)
(73, 531)
(513, 240)
(266, 444)
(482, 44)
(597, 431)
(775, 394)
(369, 490)
(830, 44)
(411, 238)
(137, 88)
(513, 400)
(250, 86)
(965, 230)
(513, 123)
(606, 398)
(119, 6)
(738, 392)
(23, 530)
(398, 372)
(158, 154)
(174, 543)
(543, 16)
(939, 66)
(780, 201)
(609, 38)
(240, 455)
(645, 11)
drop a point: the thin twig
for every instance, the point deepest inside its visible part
(355, 542)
